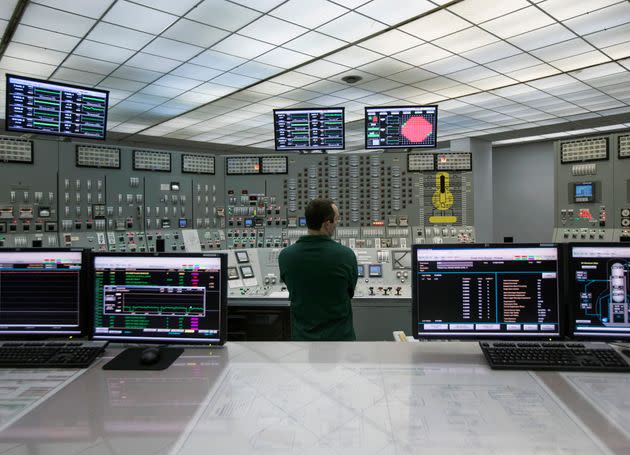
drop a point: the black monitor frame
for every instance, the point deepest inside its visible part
(572, 291)
(308, 109)
(132, 339)
(83, 307)
(399, 147)
(561, 290)
(61, 85)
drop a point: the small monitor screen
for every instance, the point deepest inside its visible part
(483, 291)
(400, 127)
(40, 292)
(600, 296)
(247, 271)
(361, 270)
(309, 129)
(241, 256)
(302, 221)
(583, 192)
(43, 107)
(232, 273)
(376, 270)
(164, 298)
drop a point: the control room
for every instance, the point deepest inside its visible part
(372, 226)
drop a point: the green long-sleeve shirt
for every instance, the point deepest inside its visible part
(320, 275)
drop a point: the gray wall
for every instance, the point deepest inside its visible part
(523, 191)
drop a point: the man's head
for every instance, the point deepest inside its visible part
(322, 216)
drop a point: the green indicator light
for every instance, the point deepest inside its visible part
(46, 114)
(45, 124)
(299, 124)
(373, 135)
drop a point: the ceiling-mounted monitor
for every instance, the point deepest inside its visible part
(309, 129)
(44, 107)
(400, 127)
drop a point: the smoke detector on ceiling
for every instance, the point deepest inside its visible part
(351, 79)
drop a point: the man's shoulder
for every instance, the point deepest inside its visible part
(342, 249)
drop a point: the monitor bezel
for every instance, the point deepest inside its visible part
(51, 133)
(174, 341)
(399, 147)
(308, 109)
(572, 292)
(83, 328)
(561, 290)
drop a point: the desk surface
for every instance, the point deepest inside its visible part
(315, 398)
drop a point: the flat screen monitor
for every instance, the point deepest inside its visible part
(599, 290)
(160, 297)
(309, 129)
(392, 127)
(41, 292)
(44, 107)
(486, 291)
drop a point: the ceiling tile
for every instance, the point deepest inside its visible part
(78, 62)
(241, 46)
(392, 14)
(51, 19)
(93, 8)
(322, 68)
(283, 58)
(256, 70)
(472, 74)
(152, 62)
(192, 32)
(6, 9)
(564, 9)
(352, 93)
(391, 42)
(562, 50)
(259, 5)
(295, 79)
(301, 95)
(172, 49)
(270, 88)
(107, 52)
(449, 65)
(36, 36)
(385, 67)
(513, 63)
(122, 84)
(314, 43)
(136, 74)
(435, 25)
(178, 8)
(177, 82)
(212, 88)
(272, 30)
(119, 36)
(139, 17)
(308, 13)
(618, 51)
(19, 66)
(35, 54)
(544, 36)
(532, 72)
(351, 27)
(217, 60)
(580, 61)
(492, 82)
(609, 37)
(325, 86)
(353, 56)
(478, 11)
(78, 77)
(491, 52)
(465, 40)
(422, 54)
(412, 75)
(518, 22)
(223, 14)
(603, 19)
(437, 83)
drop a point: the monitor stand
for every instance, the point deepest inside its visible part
(154, 358)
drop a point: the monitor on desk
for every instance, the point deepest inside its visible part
(41, 292)
(599, 290)
(160, 298)
(479, 291)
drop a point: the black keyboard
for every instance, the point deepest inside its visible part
(559, 356)
(53, 354)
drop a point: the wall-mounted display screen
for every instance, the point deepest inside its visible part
(584, 192)
(393, 127)
(42, 107)
(309, 129)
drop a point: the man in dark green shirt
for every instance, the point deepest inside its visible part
(320, 275)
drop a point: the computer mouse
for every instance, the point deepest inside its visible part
(150, 356)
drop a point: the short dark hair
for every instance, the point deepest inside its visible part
(317, 211)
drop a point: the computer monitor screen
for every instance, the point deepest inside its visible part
(309, 129)
(162, 298)
(43, 107)
(486, 291)
(392, 127)
(40, 292)
(599, 290)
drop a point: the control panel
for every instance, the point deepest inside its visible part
(585, 190)
(622, 187)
